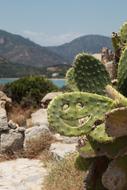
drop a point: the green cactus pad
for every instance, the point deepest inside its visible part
(115, 177)
(88, 151)
(90, 74)
(122, 73)
(116, 122)
(99, 134)
(70, 80)
(74, 114)
(123, 32)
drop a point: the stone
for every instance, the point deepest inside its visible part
(11, 141)
(12, 125)
(37, 138)
(65, 139)
(38, 118)
(20, 129)
(22, 174)
(45, 101)
(3, 120)
(3, 97)
(60, 150)
(114, 178)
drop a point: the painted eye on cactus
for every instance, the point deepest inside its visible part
(80, 105)
(65, 107)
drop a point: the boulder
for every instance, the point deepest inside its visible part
(60, 150)
(3, 97)
(45, 101)
(3, 120)
(11, 141)
(38, 118)
(37, 138)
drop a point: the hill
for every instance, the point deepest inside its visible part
(20, 50)
(12, 70)
(89, 43)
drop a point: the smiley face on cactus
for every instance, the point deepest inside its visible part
(75, 113)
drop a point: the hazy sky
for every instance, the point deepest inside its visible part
(53, 22)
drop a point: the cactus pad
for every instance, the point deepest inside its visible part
(116, 122)
(99, 134)
(122, 73)
(90, 74)
(70, 80)
(74, 114)
(123, 32)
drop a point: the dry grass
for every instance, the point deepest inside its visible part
(65, 176)
(19, 114)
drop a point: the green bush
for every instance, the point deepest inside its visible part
(29, 90)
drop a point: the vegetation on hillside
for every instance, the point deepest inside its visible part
(28, 91)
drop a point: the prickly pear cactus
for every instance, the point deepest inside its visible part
(88, 75)
(122, 73)
(123, 32)
(102, 120)
(73, 114)
(70, 80)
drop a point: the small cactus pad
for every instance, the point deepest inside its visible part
(116, 122)
(90, 74)
(123, 32)
(70, 80)
(99, 134)
(115, 177)
(74, 113)
(122, 73)
(88, 151)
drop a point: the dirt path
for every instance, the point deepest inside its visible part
(22, 174)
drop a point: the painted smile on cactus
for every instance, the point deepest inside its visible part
(80, 122)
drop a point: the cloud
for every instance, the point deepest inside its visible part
(47, 40)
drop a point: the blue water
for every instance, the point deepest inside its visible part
(57, 82)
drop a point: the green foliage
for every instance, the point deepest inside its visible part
(29, 90)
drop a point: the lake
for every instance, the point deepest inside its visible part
(57, 82)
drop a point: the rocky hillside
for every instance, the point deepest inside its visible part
(23, 51)
(89, 43)
(12, 70)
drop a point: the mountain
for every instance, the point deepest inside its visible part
(12, 70)
(20, 50)
(89, 43)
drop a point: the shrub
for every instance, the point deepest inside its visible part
(29, 90)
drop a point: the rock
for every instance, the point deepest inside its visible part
(114, 178)
(60, 150)
(20, 129)
(3, 120)
(3, 97)
(38, 118)
(22, 174)
(11, 141)
(12, 125)
(45, 101)
(37, 138)
(65, 139)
